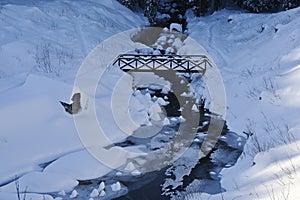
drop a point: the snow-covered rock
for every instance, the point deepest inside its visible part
(195, 108)
(62, 193)
(136, 172)
(102, 193)
(180, 109)
(116, 186)
(74, 194)
(174, 119)
(94, 193)
(170, 50)
(212, 173)
(197, 140)
(154, 112)
(161, 101)
(119, 173)
(184, 94)
(148, 95)
(170, 41)
(101, 186)
(130, 167)
(182, 119)
(177, 44)
(156, 52)
(176, 27)
(162, 39)
(166, 121)
(165, 29)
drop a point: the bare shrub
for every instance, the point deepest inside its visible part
(253, 92)
(17, 184)
(271, 86)
(258, 145)
(63, 56)
(248, 73)
(250, 126)
(283, 194)
(272, 135)
(42, 58)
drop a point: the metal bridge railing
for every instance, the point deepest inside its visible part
(152, 62)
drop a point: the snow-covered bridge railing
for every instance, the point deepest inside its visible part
(152, 62)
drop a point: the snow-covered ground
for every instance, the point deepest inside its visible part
(53, 37)
(259, 59)
(42, 46)
(43, 43)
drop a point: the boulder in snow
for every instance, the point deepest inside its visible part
(119, 174)
(74, 194)
(130, 167)
(116, 186)
(195, 108)
(102, 193)
(101, 186)
(182, 119)
(62, 193)
(176, 27)
(94, 193)
(166, 121)
(136, 172)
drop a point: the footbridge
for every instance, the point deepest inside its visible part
(152, 62)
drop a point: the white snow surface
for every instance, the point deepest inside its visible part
(94, 193)
(42, 46)
(101, 186)
(260, 70)
(116, 186)
(74, 194)
(67, 30)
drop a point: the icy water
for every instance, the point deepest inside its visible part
(204, 176)
(190, 173)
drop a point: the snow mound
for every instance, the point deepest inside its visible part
(74, 194)
(94, 193)
(101, 186)
(116, 187)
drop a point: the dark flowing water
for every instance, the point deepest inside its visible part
(149, 186)
(204, 175)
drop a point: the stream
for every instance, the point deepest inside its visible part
(192, 171)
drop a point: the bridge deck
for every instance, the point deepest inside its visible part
(151, 62)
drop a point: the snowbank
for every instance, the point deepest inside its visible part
(258, 56)
(39, 144)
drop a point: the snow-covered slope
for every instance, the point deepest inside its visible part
(53, 37)
(259, 58)
(42, 44)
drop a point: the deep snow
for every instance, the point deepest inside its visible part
(258, 56)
